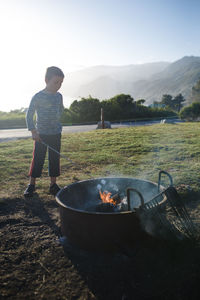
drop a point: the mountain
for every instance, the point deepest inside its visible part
(148, 81)
(178, 77)
(106, 81)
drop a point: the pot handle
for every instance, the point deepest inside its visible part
(128, 196)
(159, 178)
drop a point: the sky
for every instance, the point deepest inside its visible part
(73, 34)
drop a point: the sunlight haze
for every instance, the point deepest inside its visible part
(81, 33)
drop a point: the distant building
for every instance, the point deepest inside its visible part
(156, 104)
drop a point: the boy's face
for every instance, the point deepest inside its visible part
(54, 84)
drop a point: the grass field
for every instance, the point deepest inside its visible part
(138, 152)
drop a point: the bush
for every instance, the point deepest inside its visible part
(12, 120)
(122, 107)
(190, 112)
(85, 110)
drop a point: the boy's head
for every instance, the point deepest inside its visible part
(53, 78)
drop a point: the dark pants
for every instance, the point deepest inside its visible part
(39, 153)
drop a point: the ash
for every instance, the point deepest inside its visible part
(122, 206)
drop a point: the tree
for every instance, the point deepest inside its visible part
(69, 116)
(196, 92)
(87, 109)
(122, 100)
(167, 100)
(140, 102)
(119, 107)
(75, 107)
(191, 112)
(177, 102)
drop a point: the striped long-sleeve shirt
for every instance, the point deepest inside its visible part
(48, 109)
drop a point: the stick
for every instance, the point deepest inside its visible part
(61, 155)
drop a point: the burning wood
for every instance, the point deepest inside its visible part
(106, 197)
(111, 203)
(117, 198)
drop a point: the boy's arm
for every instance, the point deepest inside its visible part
(29, 120)
(61, 105)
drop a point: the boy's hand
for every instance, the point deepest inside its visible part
(35, 136)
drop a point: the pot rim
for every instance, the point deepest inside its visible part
(101, 213)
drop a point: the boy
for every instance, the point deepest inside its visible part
(48, 106)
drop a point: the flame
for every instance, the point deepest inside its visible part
(106, 197)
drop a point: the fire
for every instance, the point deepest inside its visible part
(106, 197)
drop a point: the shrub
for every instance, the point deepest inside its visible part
(191, 112)
(12, 120)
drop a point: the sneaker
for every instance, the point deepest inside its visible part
(29, 190)
(54, 189)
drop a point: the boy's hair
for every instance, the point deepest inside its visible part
(53, 71)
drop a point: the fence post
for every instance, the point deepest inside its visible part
(102, 119)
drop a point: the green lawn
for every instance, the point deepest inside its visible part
(138, 152)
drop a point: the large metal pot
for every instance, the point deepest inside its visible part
(96, 230)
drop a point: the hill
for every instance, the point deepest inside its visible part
(149, 81)
(178, 77)
(107, 81)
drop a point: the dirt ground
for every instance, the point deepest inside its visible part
(35, 265)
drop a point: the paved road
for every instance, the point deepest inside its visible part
(22, 133)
